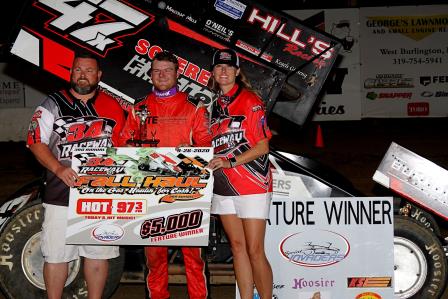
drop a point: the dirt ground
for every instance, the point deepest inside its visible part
(354, 149)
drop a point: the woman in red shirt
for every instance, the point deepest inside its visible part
(243, 180)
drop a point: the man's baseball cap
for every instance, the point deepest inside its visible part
(226, 56)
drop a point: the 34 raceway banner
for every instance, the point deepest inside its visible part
(330, 247)
(278, 52)
(141, 196)
(404, 54)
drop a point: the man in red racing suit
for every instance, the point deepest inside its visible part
(170, 118)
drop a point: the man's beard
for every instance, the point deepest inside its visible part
(83, 90)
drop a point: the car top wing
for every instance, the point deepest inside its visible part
(286, 61)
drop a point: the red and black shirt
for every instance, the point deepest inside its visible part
(238, 123)
(65, 123)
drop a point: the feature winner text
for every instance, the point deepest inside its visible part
(352, 211)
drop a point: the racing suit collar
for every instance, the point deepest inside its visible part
(166, 93)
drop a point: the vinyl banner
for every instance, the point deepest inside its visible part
(329, 248)
(342, 90)
(141, 196)
(278, 53)
(404, 56)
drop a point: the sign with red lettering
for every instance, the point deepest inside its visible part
(141, 196)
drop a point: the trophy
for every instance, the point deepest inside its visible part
(143, 113)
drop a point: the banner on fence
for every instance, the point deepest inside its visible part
(404, 53)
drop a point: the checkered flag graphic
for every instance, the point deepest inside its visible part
(60, 125)
(84, 157)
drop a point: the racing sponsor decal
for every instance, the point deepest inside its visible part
(231, 8)
(440, 94)
(251, 49)
(289, 67)
(368, 295)
(436, 94)
(97, 25)
(218, 30)
(315, 248)
(389, 81)
(108, 233)
(427, 94)
(388, 95)
(306, 283)
(296, 44)
(179, 14)
(369, 282)
(427, 80)
(418, 109)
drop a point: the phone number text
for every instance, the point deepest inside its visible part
(414, 60)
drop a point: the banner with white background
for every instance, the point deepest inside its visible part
(404, 56)
(328, 247)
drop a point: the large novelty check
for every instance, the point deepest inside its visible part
(141, 196)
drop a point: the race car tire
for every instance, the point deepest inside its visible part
(21, 261)
(425, 219)
(420, 264)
